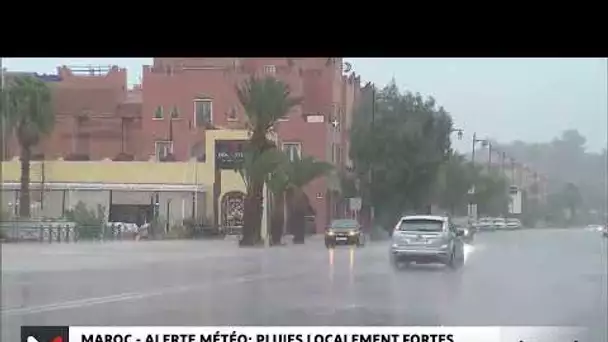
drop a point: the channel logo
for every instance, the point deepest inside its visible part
(44, 334)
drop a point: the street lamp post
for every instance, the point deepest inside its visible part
(489, 144)
(475, 141)
(2, 122)
(512, 171)
(371, 169)
(3, 114)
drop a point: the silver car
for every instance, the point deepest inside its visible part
(425, 239)
(485, 224)
(499, 223)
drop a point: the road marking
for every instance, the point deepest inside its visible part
(133, 295)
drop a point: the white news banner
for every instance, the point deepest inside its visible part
(325, 334)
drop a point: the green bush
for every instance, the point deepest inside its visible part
(90, 224)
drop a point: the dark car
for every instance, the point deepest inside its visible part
(344, 232)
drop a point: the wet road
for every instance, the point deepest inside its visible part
(543, 277)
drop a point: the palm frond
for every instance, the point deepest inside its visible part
(304, 170)
(265, 101)
(26, 105)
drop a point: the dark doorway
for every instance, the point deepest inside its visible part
(131, 213)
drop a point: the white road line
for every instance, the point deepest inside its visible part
(131, 296)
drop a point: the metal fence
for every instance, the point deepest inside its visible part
(39, 231)
(61, 232)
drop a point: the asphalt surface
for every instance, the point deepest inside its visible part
(529, 277)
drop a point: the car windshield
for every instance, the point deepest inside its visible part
(344, 224)
(420, 225)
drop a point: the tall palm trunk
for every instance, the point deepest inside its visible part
(254, 199)
(24, 196)
(278, 218)
(297, 216)
(252, 216)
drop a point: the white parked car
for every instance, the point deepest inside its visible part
(499, 223)
(513, 223)
(485, 224)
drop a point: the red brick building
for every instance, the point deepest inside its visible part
(200, 93)
(98, 117)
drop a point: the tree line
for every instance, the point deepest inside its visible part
(403, 161)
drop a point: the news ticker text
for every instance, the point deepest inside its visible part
(301, 334)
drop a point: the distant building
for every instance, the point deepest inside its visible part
(97, 117)
(183, 97)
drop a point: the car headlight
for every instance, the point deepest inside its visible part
(330, 233)
(444, 246)
(352, 233)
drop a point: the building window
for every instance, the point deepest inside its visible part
(270, 69)
(174, 112)
(231, 115)
(163, 149)
(293, 150)
(203, 111)
(158, 113)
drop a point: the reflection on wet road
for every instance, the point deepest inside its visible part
(548, 277)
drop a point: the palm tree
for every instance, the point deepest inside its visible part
(302, 171)
(287, 178)
(265, 102)
(278, 183)
(27, 110)
(258, 167)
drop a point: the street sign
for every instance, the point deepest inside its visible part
(229, 153)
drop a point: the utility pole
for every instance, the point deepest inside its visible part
(512, 171)
(473, 150)
(371, 169)
(2, 125)
(42, 181)
(489, 156)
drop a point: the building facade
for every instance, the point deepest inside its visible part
(180, 100)
(96, 116)
(185, 97)
(128, 191)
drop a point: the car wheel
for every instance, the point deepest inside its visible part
(453, 261)
(396, 264)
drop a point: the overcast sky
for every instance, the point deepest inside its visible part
(505, 99)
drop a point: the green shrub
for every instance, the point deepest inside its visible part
(90, 224)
